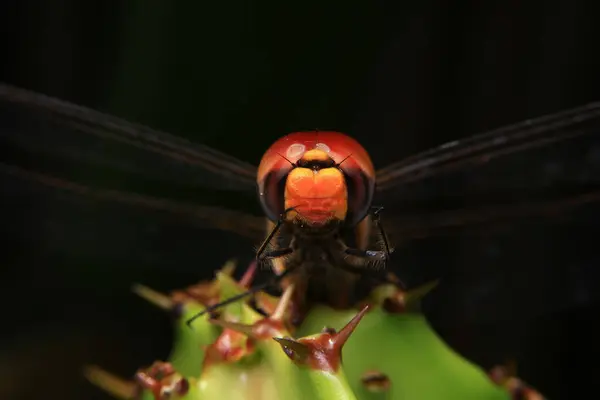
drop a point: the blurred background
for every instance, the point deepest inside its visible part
(236, 76)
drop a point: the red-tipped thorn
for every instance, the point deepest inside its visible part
(283, 304)
(234, 326)
(265, 302)
(407, 301)
(324, 351)
(299, 352)
(246, 279)
(230, 346)
(504, 376)
(204, 292)
(266, 328)
(343, 335)
(161, 379)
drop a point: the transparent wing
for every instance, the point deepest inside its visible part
(505, 264)
(483, 148)
(57, 217)
(84, 184)
(227, 220)
(63, 136)
(506, 219)
(418, 226)
(552, 157)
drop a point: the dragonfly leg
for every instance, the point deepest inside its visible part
(375, 255)
(276, 253)
(365, 258)
(265, 243)
(376, 215)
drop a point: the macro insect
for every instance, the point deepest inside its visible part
(319, 190)
(316, 189)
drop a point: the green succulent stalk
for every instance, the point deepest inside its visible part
(383, 350)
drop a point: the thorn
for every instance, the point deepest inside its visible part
(204, 293)
(505, 376)
(393, 277)
(283, 304)
(229, 267)
(115, 386)
(421, 291)
(321, 352)
(152, 296)
(328, 330)
(297, 351)
(263, 328)
(399, 301)
(500, 374)
(340, 338)
(234, 326)
(162, 380)
(266, 303)
(229, 347)
(248, 276)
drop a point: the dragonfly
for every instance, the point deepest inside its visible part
(521, 179)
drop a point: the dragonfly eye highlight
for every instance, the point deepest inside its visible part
(295, 151)
(323, 147)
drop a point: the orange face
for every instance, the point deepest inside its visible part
(324, 175)
(317, 195)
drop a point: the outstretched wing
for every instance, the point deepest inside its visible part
(503, 173)
(245, 225)
(90, 185)
(506, 219)
(483, 148)
(54, 131)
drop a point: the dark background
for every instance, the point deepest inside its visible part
(238, 75)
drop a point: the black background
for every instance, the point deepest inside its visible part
(237, 75)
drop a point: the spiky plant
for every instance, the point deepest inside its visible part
(388, 349)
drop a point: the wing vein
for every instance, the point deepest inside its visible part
(227, 220)
(481, 148)
(89, 121)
